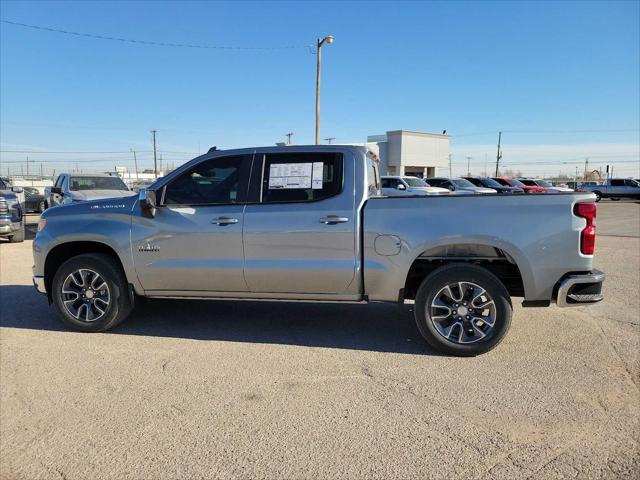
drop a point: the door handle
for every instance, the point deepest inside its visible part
(224, 221)
(332, 219)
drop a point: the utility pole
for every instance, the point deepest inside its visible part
(468, 166)
(328, 39)
(499, 154)
(155, 161)
(27, 165)
(450, 155)
(330, 139)
(288, 135)
(160, 160)
(586, 168)
(135, 163)
(485, 165)
(41, 169)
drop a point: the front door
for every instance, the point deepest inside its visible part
(194, 242)
(300, 237)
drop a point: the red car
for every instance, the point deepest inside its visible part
(512, 182)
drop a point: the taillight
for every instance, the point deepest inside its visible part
(588, 234)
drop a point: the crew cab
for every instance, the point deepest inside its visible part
(309, 223)
(614, 188)
(79, 187)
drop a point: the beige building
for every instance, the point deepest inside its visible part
(421, 154)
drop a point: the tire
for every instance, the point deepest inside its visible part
(598, 196)
(77, 276)
(434, 322)
(18, 237)
(41, 207)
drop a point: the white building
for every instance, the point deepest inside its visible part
(420, 154)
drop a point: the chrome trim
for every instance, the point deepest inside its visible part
(565, 285)
(38, 282)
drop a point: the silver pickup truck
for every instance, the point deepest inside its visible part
(614, 188)
(309, 223)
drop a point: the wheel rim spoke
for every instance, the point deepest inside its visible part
(463, 312)
(85, 295)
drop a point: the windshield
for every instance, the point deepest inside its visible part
(529, 183)
(414, 182)
(515, 183)
(543, 183)
(96, 183)
(461, 182)
(490, 182)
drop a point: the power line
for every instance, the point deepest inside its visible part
(148, 42)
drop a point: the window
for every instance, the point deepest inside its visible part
(617, 183)
(436, 182)
(97, 183)
(414, 182)
(59, 181)
(373, 176)
(301, 177)
(630, 183)
(389, 183)
(221, 180)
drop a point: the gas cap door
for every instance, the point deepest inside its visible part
(387, 245)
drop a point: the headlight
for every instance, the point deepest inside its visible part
(41, 224)
(16, 212)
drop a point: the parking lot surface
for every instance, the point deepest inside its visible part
(290, 390)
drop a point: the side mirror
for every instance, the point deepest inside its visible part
(147, 202)
(56, 190)
(17, 189)
(401, 186)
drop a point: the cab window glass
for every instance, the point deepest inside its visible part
(211, 182)
(301, 177)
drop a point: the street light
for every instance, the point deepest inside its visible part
(328, 39)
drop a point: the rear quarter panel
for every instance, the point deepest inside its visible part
(539, 232)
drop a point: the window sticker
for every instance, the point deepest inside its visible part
(290, 175)
(316, 179)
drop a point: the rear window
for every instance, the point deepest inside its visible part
(301, 177)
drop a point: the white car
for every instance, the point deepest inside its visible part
(408, 186)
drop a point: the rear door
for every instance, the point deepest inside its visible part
(300, 236)
(194, 242)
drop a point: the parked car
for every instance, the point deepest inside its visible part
(576, 185)
(614, 188)
(309, 223)
(548, 187)
(459, 185)
(34, 200)
(80, 187)
(408, 186)
(11, 212)
(512, 182)
(491, 183)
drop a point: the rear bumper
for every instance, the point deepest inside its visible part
(580, 289)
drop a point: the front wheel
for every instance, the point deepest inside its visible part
(598, 196)
(462, 310)
(90, 293)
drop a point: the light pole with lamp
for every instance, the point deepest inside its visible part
(328, 39)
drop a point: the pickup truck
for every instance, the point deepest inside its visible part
(614, 188)
(11, 211)
(80, 187)
(308, 223)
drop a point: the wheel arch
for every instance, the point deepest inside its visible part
(64, 251)
(505, 262)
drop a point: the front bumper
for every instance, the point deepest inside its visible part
(38, 282)
(7, 227)
(580, 289)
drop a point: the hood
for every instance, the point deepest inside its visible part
(430, 189)
(84, 195)
(479, 190)
(103, 206)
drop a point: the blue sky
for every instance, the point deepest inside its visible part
(561, 79)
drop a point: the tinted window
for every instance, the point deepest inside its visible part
(475, 181)
(487, 182)
(631, 183)
(387, 183)
(543, 183)
(617, 183)
(435, 182)
(211, 182)
(96, 183)
(529, 183)
(462, 183)
(301, 177)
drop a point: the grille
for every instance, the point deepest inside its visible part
(4, 208)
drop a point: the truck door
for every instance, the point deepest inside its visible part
(194, 242)
(300, 236)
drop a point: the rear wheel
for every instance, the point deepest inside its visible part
(598, 196)
(462, 310)
(90, 293)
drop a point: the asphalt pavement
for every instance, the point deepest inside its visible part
(225, 389)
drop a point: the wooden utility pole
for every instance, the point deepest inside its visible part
(135, 163)
(155, 160)
(499, 154)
